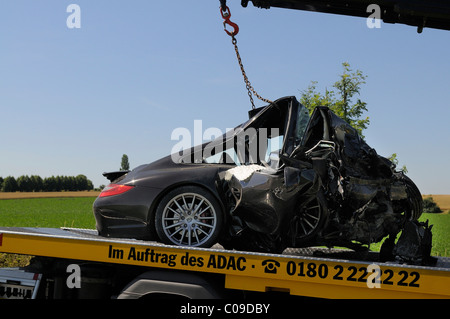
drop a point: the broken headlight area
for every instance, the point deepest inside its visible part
(333, 189)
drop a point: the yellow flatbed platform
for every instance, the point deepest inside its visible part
(314, 272)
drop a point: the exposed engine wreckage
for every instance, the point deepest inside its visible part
(332, 189)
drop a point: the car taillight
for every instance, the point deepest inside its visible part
(114, 189)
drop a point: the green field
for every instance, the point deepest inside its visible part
(77, 212)
(441, 233)
(44, 212)
(47, 212)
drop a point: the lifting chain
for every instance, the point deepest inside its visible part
(251, 91)
(248, 85)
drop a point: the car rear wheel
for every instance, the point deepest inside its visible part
(189, 216)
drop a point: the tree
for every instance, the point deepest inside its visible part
(341, 100)
(59, 183)
(10, 184)
(37, 182)
(50, 184)
(393, 159)
(125, 165)
(81, 183)
(430, 206)
(24, 183)
(68, 183)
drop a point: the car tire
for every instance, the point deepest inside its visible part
(189, 216)
(415, 201)
(310, 221)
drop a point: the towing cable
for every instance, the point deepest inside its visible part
(226, 15)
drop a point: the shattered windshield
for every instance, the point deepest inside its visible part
(302, 123)
(277, 128)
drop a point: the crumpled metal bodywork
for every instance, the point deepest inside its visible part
(329, 188)
(414, 244)
(281, 179)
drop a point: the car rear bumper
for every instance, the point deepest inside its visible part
(126, 215)
(110, 224)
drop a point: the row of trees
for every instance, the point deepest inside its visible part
(36, 183)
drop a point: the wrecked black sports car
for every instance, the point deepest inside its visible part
(282, 179)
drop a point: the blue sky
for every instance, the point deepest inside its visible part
(72, 101)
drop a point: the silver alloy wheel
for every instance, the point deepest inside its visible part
(189, 219)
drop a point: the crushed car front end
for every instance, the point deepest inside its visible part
(332, 189)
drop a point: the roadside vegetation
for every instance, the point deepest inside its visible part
(35, 183)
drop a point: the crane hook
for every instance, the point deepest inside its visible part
(226, 15)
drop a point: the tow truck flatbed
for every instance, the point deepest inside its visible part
(313, 272)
